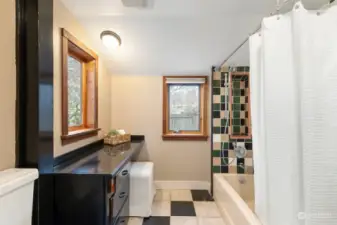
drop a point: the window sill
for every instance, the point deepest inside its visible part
(78, 135)
(185, 137)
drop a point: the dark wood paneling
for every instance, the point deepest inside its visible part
(34, 106)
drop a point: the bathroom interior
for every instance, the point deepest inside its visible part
(155, 112)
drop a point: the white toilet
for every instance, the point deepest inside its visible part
(16, 196)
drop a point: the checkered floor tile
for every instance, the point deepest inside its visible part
(182, 207)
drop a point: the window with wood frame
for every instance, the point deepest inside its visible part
(79, 90)
(185, 107)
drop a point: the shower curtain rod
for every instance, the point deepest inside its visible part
(256, 30)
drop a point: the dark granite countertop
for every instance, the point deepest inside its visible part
(108, 160)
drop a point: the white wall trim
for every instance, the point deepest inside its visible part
(182, 185)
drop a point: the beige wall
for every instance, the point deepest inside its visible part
(136, 106)
(7, 84)
(64, 19)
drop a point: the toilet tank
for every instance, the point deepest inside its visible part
(16, 196)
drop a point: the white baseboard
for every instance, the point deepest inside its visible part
(182, 185)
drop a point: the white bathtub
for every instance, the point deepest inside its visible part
(234, 196)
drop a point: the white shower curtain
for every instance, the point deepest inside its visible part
(294, 103)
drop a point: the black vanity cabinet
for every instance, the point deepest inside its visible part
(92, 199)
(92, 185)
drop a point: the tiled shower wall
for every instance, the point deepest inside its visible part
(223, 156)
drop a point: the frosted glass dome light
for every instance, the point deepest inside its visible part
(110, 39)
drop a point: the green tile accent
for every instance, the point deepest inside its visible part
(216, 153)
(240, 170)
(224, 145)
(236, 84)
(216, 106)
(236, 122)
(236, 114)
(216, 130)
(216, 91)
(236, 129)
(236, 100)
(236, 92)
(236, 107)
(216, 169)
(224, 161)
(216, 83)
(223, 122)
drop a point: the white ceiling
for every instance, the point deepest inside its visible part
(173, 36)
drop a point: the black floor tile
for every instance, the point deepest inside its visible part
(157, 220)
(201, 195)
(182, 209)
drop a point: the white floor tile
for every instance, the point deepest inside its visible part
(162, 195)
(135, 221)
(181, 195)
(210, 221)
(182, 220)
(161, 208)
(206, 209)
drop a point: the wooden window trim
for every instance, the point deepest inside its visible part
(76, 49)
(201, 135)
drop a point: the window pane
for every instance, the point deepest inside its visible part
(184, 108)
(74, 92)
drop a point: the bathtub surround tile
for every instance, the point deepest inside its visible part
(249, 170)
(216, 161)
(161, 208)
(216, 138)
(224, 153)
(216, 169)
(232, 169)
(224, 137)
(206, 209)
(201, 195)
(232, 161)
(162, 195)
(216, 130)
(216, 153)
(181, 195)
(216, 99)
(238, 121)
(154, 220)
(180, 208)
(183, 220)
(248, 162)
(217, 122)
(216, 83)
(224, 169)
(249, 154)
(216, 145)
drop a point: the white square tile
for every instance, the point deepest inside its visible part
(210, 221)
(216, 138)
(161, 208)
(206, 209)
(181, 195)
(183, 220)
(135, 221)
(248, 161)
(162, 195)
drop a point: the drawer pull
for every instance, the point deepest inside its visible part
(122, 222)
(122, 195)
(125, 172)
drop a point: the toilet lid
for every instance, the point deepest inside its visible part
(12, 179)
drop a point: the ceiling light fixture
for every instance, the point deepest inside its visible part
(111, 39)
